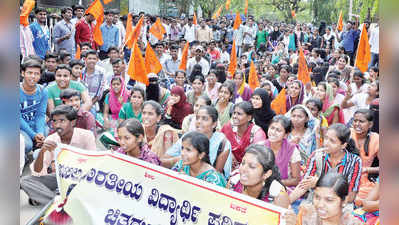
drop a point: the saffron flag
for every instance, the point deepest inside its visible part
(237, 21)
(157, 29)
(134, 35)
(303, 71)
(279, 103)
(107, 1)
(97, 10)
(253, 80)
(228, 2)
(217, 13)
(129, 27)
(340, 24)
(77, 54)
(246, 8)
(184, 57)
(233, 60)
(195, 19)
(363, 55)
(136, 68)
(152, 63)
(293, 14)
(26, 9)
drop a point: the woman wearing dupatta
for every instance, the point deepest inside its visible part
(114, 100)
(244, 91)
(177, 107)
(332, 112)
(295, 95)
(241, 132)
(224, 104)
(195, 159)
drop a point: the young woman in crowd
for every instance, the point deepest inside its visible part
(224, 104)
(270, 88)
(330, 194)
(339, 154)
(195, 159)
(132, 141)
(288, 158)
(189, 121)
(114, 101)
(263, 114)
(368, 144)
(281, 81)
(197, 89)
(362, 100)
(301, 134)
(220, 148)
(243, 90)
(177, 108)
(295, 94)
(358, 84)
(212, 86)
(258, 176)
(133, 108)
(241, 131)
(373, 74)
(332, 112)
(181, 81)
(319, 124)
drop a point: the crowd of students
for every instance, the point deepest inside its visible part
(318, 156)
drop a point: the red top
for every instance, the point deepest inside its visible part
(84, 33)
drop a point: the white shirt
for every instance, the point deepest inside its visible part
(359, 101)
(375, 40)
(189, 33)
(122, 32)
(204, 65)
(224, 57)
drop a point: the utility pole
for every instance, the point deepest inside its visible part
(350, 9)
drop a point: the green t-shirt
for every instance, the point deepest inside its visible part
(261, 37)
(126, 112)
(54, 91)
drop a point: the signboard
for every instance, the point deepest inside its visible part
(110, 188)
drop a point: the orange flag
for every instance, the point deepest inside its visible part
(184, 57)
(97, 10)
(136, 68)
(237, 21)
(134, 35)
(246, 8)
(363, 55)
(293, 14)
(129, 26)
(152, 63)
(233, 60)
(107, 1)
(217, 13)
(303, 71)
(157, 29)
(195, 19)
(228, 2)
(26, 9)
(253, 80)
(278, 104)
(77, 54)
(340, 24)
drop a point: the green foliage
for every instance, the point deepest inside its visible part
(124, 4)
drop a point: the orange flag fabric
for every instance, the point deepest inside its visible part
(129, 26)
(184, 57)
(246, 8)
(195, 19)
(217, 13)
(233, 60)
(253, 80)
(340, 24)
(157, 29)
(279, 103)
(152, 63)
(303, 71)
(136, 68)
(228, 2)
(77, 54)
(107, 1)
(363, 55)
(134, 35)
(293, 14)
(97, 10)
(237, 21)
(26, 9)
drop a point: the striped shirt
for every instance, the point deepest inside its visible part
(350, 167)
